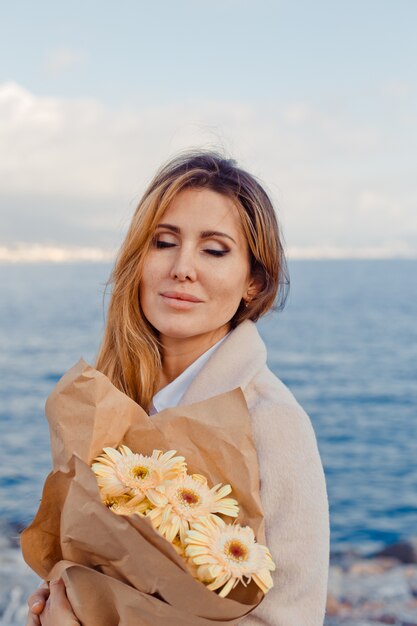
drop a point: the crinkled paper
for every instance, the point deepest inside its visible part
(117, 569)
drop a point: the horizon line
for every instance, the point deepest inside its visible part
(54, 253)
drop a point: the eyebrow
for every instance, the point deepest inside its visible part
(205, 234)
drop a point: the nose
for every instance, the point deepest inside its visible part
(183, 267)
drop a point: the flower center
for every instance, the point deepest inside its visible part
(114, 502)
(188, 497)
(236, 550)
(109, 501)
(139, 471)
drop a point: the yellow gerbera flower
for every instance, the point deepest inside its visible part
(125, 505)
(179, 503)
(226, 554)
(123, 472)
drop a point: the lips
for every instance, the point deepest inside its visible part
(175, 295)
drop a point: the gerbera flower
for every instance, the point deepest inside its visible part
(228, 553)
(179, 503)
(123, 472)
(125, 505)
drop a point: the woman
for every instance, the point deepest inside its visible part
(201, 262)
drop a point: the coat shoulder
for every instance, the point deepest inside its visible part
(268, 394)
(277, 417)
(267, 388)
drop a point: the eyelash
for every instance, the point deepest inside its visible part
(165, 244)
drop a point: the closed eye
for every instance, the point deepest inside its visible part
(217, 252)
(163, 244)
(168, 244)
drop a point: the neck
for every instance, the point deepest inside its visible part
(179, 353)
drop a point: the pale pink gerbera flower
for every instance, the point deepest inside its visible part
(226, 554)
(181, 502)
(123, 472)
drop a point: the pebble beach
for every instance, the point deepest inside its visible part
(374, 589)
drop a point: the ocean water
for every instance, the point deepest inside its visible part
(345, 344)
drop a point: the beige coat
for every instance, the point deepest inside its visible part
(293, 488)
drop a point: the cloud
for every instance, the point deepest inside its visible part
(61, 59)
(398, 89)
(73, 170)
(297, 114)
(37, 253)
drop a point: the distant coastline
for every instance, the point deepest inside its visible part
(22, 252)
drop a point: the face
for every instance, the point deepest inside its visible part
(197, 270)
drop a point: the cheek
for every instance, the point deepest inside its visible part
(227, 287)
(146, 288)
(151, 273)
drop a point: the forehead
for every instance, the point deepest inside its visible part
(204, 209)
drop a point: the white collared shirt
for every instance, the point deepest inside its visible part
(171, 394)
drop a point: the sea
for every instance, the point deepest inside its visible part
(345, 344)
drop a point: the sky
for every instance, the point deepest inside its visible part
(317, 99)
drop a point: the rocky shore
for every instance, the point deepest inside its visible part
(17, 581)
(372, 590)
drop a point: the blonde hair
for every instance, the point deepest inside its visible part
(130, 354)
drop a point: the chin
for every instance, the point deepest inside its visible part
(185, 329)
(177, 330)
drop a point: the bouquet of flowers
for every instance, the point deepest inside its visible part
(184, 510)
(178, 547)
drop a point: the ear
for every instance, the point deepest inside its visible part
(253, 287)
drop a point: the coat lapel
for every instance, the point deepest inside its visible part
(235, 362)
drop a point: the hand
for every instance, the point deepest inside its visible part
(57, 609)
(36, 604)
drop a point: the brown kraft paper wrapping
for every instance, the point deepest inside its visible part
(117, 569)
